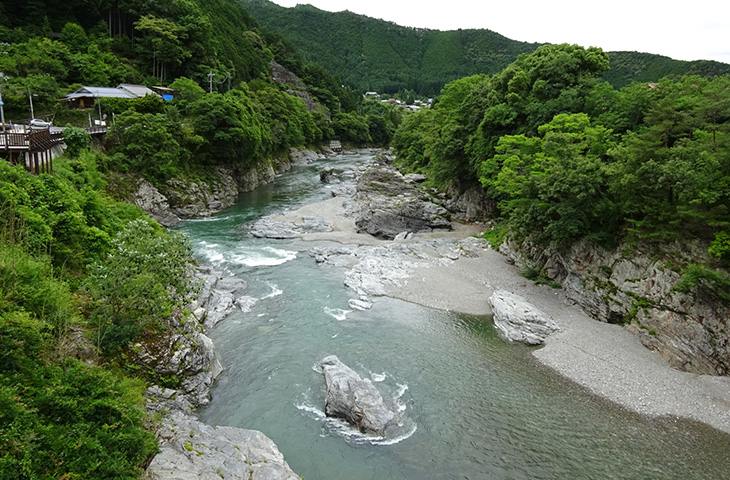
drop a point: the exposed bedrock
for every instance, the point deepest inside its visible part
(389, 205)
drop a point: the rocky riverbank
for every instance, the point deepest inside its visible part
(190, 449)
(633, 286)
(180, 198)
(438, 267)
(453, 271)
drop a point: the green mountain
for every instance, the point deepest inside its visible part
(55, 46)
(371, 54)
(627, 67)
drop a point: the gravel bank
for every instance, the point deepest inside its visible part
(604, 358)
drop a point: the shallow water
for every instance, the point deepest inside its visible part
(471, 406)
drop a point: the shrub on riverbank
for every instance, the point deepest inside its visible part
(62, 418)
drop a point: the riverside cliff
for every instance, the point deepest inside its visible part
(633, 286)
(179, 198)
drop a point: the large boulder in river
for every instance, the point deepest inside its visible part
(388, 205)
(517, 320)
(355, 399)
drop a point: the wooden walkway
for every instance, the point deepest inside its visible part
(31, 148)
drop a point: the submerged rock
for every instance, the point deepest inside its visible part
(355, 399)
(517, 320)
(360, 304)
(326, 175)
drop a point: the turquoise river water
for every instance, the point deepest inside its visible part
(472, 406)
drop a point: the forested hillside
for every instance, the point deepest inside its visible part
(627, 67)
(374, 55)
(371, 54)
(53, 48)
(568, 157)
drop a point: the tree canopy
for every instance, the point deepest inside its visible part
(567, 156)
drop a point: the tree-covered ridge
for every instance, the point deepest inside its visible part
(371, 54)
(248, 120)
(53, 47)
(173, 37)
(566, 156)
(627, 67)
(374, 55)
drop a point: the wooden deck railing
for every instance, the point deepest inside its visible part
(31, 148)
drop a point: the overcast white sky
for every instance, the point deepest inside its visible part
(685, 30)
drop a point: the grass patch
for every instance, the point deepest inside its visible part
(696, 277)
(495, 235)
(536, 276)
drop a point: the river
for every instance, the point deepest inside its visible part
(472, 406)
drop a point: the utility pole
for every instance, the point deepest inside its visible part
(2, 108)
(210, 81)
(30, 99)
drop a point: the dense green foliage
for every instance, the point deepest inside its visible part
(172, 41)
(247, 121)
(60, 418)
(567, 157)
(371, 54)
(142, 280)
(67, 420)
(102, 42)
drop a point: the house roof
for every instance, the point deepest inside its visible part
(137, 90)
(124, 90)
(99, 92)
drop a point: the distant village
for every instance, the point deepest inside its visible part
(414, 107)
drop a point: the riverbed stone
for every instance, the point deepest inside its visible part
(326, 175)
(516, 320)
(274, 227)
(193, 450)
(355, 399)
(302, 157)
(360, 303)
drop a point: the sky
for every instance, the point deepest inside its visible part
(686, 30)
